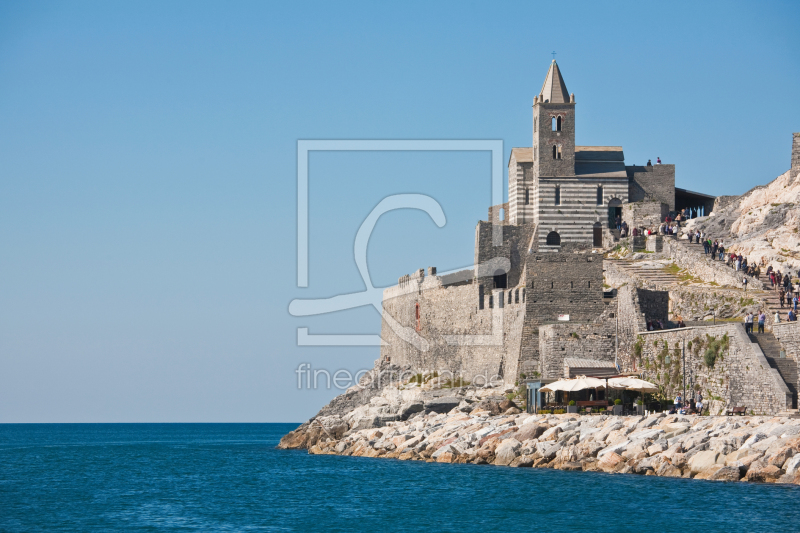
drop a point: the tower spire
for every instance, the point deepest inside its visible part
(554, 89)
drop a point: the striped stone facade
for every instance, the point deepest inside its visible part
(578, 211)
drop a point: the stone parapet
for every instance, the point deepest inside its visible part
(701, 266)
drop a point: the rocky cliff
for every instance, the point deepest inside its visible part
(762, 223)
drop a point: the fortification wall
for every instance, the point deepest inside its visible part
(740, 376)
(569, 282)
(514, 247)
(644, 214)
(704, 268)
(452, 334)
(586, 341)
(652, 183)
(795, 154)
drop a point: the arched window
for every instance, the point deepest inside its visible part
(527, 196)
(480, 296)
(534, 123)
(600, 195)
(558, 124)
(553, 239)
(558, 195)
(516, 296)
(553, 123)
(555, 151)
(558, 152)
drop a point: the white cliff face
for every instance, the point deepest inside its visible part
(764, 223)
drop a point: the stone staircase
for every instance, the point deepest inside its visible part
(658, 276)
(786, 366)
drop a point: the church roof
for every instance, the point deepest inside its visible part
(600, 162)
(599, 153)
(554, 89)
(522, 155)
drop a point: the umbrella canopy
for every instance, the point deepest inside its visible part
(571, 385)
(635, 384)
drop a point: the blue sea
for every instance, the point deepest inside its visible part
(230, 477)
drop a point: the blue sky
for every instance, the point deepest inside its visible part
(148, 170)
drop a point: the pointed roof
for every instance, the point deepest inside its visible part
(554, 89)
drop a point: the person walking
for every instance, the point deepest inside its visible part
(782, 297)
(794, 301)
(721, 251)
(777, 318)
(762, 318)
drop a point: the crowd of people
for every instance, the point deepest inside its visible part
(781, 282)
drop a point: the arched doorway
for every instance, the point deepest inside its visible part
(597, 235)
(553, 239)
(614, 211)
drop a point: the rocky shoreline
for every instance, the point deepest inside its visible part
(473, 425)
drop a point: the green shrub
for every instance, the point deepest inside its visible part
(617, 402)
(558, 411)
(571, 403)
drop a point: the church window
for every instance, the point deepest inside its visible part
(553, 123)
(558, 124)
(480, 296)
(558, 153)
(555, 151)
(558, 195)
(553, 239)
(600, 195)
(527, 196)
(534, 123)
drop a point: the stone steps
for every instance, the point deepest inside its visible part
(785, 366)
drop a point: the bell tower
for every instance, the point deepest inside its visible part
(554, 128)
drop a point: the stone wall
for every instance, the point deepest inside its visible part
(788, 333)
(452, 334)
(795, 154)
(644, 214)
(655, 243)
(741, 375)
(704, 303)
(721, 202)
(569, 282)
(652, 183)
(514, 247)
(586, 341)
(701, 266)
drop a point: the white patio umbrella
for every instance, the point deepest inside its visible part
(635, 384)
(570, 385)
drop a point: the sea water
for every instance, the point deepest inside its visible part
(231, 477)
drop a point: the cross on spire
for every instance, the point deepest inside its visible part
(554, 55)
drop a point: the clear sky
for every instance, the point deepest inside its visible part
(148, 170)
